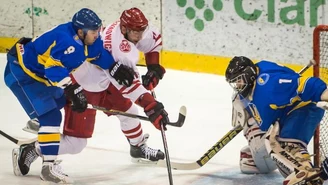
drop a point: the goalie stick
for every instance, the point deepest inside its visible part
(208, 155)
(218, 146)
(19, 142)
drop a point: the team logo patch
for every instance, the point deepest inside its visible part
(125, 46)
(255, 113)
(263, 79)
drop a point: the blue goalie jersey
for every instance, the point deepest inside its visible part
(53, 55)
(279, 91)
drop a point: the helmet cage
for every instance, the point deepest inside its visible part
(243, 82)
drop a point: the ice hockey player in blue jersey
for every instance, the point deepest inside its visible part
(279, 110)
(38, 74)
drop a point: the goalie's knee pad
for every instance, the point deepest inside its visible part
(296, 157)
(256, 161)
(260, 157)
(246, 162)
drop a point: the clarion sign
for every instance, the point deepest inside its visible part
(298, 9)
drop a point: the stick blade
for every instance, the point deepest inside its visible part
(181, 118)
(183, 110)
(179, 166)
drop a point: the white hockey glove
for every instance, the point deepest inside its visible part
(239, 113)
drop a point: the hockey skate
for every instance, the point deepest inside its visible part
(23, 157)
(144, 154)
(51, 173)
(32, 126)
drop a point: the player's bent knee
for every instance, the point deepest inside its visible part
(72, 145)
(132, 110)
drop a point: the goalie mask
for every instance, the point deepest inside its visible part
(241, 74)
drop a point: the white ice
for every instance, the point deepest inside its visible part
(106, 159)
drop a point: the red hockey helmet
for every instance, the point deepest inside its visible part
(134, 19)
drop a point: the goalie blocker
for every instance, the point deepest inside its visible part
(254, 158)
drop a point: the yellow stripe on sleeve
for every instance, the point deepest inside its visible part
(301, 84)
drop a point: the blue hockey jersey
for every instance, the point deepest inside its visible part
(52, 56)
(279, 91)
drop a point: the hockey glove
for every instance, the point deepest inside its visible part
(324, 169)
(123, 74)
(157, 115)
(74, 92)
(154, 74)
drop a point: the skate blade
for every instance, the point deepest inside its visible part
(53, 183)
(16, 170)
(28, 129)
(143, 161)
(43, 182)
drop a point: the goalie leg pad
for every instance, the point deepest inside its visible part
(246, 163)
(257, 149)
(79, 124)
(291, 156)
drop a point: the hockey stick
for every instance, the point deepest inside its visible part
(311, 63)
(208, 155)
(178, 123)
(34, 127)
(218, 146)
(17, 141)
(166, 149)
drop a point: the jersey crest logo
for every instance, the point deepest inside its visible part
(125, 46)
(78, 40)
(263, 79)
(255, 113)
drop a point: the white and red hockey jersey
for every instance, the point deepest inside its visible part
(95, 79)
(128, 53)
(124, 50)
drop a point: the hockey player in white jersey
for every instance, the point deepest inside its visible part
(123, 39)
